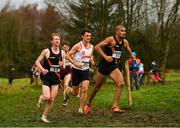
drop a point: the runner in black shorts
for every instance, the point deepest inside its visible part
(49, 62)
(82, 54)
(113, 48)
(82, 75)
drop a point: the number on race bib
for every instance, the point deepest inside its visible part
(116, 54)
(85, 64)
(55, 68)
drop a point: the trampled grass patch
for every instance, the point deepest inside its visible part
(153, 105)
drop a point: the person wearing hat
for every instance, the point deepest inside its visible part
(134, 67)
(155, 73)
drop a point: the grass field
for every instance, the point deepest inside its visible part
(155, 105)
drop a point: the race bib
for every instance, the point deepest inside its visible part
(116, 54)
(67, 63)
(55, 68)
(85, 64)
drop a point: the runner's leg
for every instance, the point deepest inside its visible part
(117, 77)
(99, 79)
(84, 88)
(67, 79)
(52, 94)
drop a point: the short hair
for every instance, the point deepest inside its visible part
(66, 43)
(118, 27)
(84, 31)
(54, 34)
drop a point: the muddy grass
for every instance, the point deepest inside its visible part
(153, 106)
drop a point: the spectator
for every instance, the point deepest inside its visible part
(155, 73)
(31, 73)
(141, 73)
(11, 70)
(134, 67)
(37, 74)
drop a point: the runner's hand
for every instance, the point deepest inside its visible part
(92, 62)
(60, 63)
(44, 71)
(109, 58)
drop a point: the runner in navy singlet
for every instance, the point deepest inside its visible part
(113, 48)
(50, 63)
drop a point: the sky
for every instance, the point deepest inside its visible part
(17, 3)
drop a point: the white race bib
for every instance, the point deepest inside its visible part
(55, 68)
(85, 64)
(116, 54)
(67, 63)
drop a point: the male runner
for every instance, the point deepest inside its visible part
(113, 48)
(49, 62)
(82, 59)
(66, 73)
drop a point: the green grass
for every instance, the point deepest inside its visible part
(173, 76)
(155, 105)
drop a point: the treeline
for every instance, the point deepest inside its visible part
(23, 34)
(152, 28)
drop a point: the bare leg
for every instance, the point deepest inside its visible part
(84, 88)
(118, 80)
(67, 79)
(53, 92)
(99, 79)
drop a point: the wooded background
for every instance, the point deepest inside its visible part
(152, 29)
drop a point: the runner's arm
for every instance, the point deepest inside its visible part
(40, 58)
(99, 46)
(126, 45)
(92, 57)
(69, 55)
(62, 63)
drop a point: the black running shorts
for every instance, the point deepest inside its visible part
(106, 68)
(78, 76)
(49, 80)
(65, 72)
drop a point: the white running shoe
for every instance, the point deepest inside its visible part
(78, 96)
(40, 101)
(44, 119)
(80, 111)
(65, 102)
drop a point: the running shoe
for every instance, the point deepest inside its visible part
(67, 95)
(78, 96)
(86, 109)
(65, 102)
(80, 111)
(44, 119)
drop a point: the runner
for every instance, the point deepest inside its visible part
(82, 59)
(113, 48)
(66, 73)
(49, 63)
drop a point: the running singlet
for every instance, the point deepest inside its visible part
(115, 51)
(83, 56)
(52, 64)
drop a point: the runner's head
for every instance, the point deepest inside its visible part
(120, 31)
(86, 35)
(55, 39)
(66, 47)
